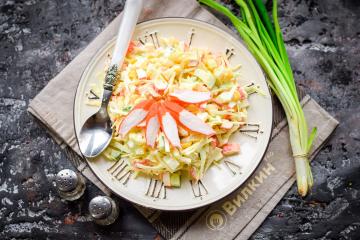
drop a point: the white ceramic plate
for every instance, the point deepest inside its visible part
(219, 181)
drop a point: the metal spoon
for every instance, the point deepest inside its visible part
(96, 133)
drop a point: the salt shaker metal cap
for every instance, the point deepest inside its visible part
(66, 180)
(100, 207)
(70, 184)
(104, 210)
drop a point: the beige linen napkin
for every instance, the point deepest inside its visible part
(236, 216)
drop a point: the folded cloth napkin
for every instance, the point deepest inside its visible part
(236, 216)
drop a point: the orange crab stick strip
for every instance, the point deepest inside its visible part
(152, 125)
(189, 120)
(168, 126)
(135, 116)
(189, 96)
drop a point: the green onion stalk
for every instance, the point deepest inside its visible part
(264, 40)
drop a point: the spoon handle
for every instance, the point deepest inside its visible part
(109, 84)
(131, 14)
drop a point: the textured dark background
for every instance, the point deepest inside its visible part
(38, 38)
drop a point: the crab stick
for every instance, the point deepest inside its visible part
(230, 149)
(135, 117)
(152, 125)
(189, 96)
(168, 125)
(188, 120)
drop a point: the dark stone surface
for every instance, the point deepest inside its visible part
(38, 38)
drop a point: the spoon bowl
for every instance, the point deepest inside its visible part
(95, 135)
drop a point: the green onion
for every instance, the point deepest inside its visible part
(264, 40)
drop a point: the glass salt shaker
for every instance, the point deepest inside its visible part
(70, 185)
(103, 210)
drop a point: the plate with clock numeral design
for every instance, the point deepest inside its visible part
(220, 180)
